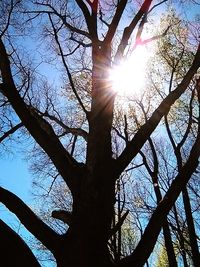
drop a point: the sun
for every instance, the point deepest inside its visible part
(128, 78)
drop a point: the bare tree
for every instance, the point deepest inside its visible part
(90, 38)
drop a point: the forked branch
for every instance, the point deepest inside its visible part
(147, 129)
(142, 251)
(39, 128)
(129, 30)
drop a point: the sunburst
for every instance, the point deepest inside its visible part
(128, 77)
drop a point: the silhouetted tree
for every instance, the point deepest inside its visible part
(76, 126)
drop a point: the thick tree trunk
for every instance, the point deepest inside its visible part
(85, 243)
(86, 240)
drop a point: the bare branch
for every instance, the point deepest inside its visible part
(126, 129)
(29, 219)
(11, 131)
(74, 131)
(63, 216)
(67, 69)
(119, 224)
(62, 18)
(119, 134)
(129, 30)
(102, 19)
(145, 131)
(159, 215)
(80, 43)
(151, 39)
(88, 18)
(40, 129)
(156, 5)
(115, 21)
(13, 5)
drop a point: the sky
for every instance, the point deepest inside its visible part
(16, 177)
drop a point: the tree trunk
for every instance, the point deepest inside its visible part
(169, 245)
(166, 232)
(191, 229)
(85, 243)
(181, 239)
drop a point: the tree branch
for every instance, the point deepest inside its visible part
(74, 131)
(67, 69)
(140, 255)
(12, 7)
(62, 215)
(14, 251)
(151, 39)
(156, 5)
(29, 219)
(129, 30)
(115, 21)
(146, 130)
(63, 19)
(118, 225)
(40, 129)
(85, 10)
(11, 131)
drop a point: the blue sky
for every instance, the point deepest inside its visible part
(16, 177)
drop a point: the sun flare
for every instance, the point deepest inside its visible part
(128, 78)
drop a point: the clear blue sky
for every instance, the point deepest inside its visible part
(16, 177)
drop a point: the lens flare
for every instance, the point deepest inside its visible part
(128, 78)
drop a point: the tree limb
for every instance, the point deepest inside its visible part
(156, 5)
(67, 69)
(12, 7)
(115, 21)
(29, 219)
(140, 255)
(118, 224)
(88, 17)
(74, 131)
(14, 251)
(147, 129)
(62, 215)
(129, 30)
(63, 19)
(149, 40)
(39, 128)
(11, 131)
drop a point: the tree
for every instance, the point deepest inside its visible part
(90, 38)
